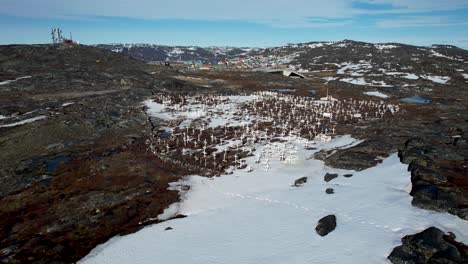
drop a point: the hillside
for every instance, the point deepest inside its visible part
(359, 63)
(96, 144)
(72, 137)
(149, 52)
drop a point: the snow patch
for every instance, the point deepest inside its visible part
(436, 79)
(385, 46)
(437, 54)
(377, 94)
(354, 69)
(26, 121)
(362, 81)
(67, 104)
(329, 78)
(217, 115)
(17, 79)
(410, 76)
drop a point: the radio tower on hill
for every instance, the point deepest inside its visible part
(57, 35)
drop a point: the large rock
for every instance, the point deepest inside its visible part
(326, 225)
(429, 246)
(359, 157)
(330, 176)
(300, 181)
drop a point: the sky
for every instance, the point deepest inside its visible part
(242, 23)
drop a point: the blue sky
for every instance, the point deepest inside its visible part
(256, 23)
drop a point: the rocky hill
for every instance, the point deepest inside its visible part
(303, 55)
(149, 52)
(358, 63)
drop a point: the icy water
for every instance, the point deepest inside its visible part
(417, 100)
(284, 90)
(54, 163)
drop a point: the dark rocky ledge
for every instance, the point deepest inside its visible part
(439, 173)
(429, 246)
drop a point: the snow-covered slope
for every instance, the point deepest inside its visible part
(258, 217)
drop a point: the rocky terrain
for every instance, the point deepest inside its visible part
(430, 246)
(392, 68)
(149, 52)
(77, 169)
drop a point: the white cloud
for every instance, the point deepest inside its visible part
(420, 21)
(418, 6)
(412, 6)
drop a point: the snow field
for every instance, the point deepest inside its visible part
(258, 217)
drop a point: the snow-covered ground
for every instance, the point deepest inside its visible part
(437, 54)
(436, 79)
(385, 46)
(217, 115)
(409, 76)
(17, 79)
(25, 121)
(67, 104)
(377, 94)
(362, 81)
(258, 217)
(354, 69)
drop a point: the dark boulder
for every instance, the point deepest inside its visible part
(300, 181)
(330, 191)
(326, 225)
(330, 176)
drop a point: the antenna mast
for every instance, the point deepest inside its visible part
(53, 33)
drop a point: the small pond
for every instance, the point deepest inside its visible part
(417, 100)
(283, 90)
(165, 133)
(54, 163)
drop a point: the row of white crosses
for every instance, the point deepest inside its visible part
(266, 116)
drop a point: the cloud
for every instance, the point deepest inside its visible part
(178, 9)
(421, 21)
(306, 23)
(276, 13)
(409, 6)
